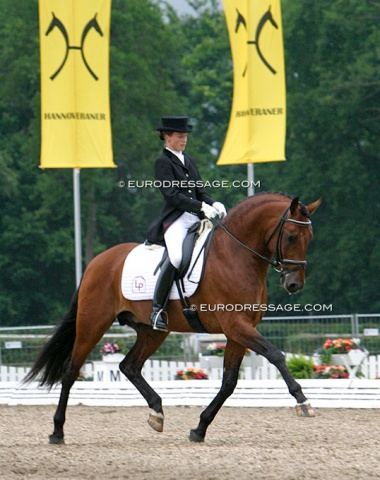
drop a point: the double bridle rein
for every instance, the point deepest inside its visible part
(279, 264)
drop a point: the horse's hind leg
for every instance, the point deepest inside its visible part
(147, 342)
(57, 437)
(90, 329)
(233, 357)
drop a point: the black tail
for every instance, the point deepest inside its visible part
(53, 359)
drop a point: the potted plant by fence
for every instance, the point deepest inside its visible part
(191, 373)
(213, 357)
(112, 352)
(342, 351)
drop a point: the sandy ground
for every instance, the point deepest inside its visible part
(242, 443)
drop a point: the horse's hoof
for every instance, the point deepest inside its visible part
(54, 440)
(304, 410)
(195, 437)
(156, 421)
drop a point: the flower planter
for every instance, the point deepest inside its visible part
(113, 358)
(352, 358)
(214, 361)
(339, 359)
(356, 356)
(210, 361)
(252, 360)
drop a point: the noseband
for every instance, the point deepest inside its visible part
(279, 260)
(279, 264)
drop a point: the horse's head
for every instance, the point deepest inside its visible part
(289, 241)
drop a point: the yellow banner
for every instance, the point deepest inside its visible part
(75, 111)
(257, 126)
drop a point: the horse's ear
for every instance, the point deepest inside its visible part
(294, 205)
(313, 206)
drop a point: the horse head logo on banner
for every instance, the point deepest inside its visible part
(267, 17)
(56, 22)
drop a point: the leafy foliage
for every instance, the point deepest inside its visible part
(301, 367)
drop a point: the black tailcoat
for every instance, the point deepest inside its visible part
(183, 191)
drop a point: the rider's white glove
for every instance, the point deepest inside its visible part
(220, 208)
(209, 211)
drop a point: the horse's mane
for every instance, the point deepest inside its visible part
(248, 203)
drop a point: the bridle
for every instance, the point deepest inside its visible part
(279, 263)
(278, 258)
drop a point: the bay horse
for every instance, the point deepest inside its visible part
(262, 230)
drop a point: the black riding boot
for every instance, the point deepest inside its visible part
(158, 318)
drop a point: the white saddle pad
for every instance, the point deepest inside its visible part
(138, 280)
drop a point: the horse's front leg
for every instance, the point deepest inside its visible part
(233, 357)
(147, 342)
(262, 346)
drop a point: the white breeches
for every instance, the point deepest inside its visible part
(175, 235)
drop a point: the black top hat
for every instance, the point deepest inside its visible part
(175, 124)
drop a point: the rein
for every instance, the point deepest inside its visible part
(278, 263)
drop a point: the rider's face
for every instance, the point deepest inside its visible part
(177, 141)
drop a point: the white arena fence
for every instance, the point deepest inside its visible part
(342, 393)
(259, 386)
(254, 367)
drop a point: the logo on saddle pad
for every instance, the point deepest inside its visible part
(139, 285)
(139, 274)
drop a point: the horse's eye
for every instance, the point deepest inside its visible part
(291, 238)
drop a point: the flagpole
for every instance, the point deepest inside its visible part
(77, 226)
(251, 179)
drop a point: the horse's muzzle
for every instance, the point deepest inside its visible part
(292, 281)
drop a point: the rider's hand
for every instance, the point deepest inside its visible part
(209, 211)
(220, 208)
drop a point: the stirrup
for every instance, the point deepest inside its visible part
(159, 322)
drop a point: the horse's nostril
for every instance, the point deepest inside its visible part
(293, 287)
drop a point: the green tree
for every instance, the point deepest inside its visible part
(332, 58)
